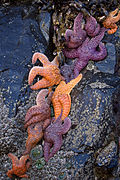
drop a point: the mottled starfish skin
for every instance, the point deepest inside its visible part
(41, 111)
(19, 167)
(61, 98)
(53, 136)
(67, 71)
(75, 37)
(35, 134)
(110, 21)
(49, 71)
(92, 27)
(87, 51)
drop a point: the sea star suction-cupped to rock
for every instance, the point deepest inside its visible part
(61, 97)
(53, 136)
(35, 134)
(41, 111)
(110, 21)
(19, 167)
(88, 50)
(49, 71)
(92, 27)
(75, 37)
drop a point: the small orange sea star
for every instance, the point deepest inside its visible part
(49, 71)
(61, 98)
(110, 21)
(19, 167)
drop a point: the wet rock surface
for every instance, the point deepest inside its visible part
(90, 148)
(21, 35)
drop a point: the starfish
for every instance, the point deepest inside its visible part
(75, 37)
(87, 51)
(110, 21)
(53, 136)
(49, 71)
(41, 111)
(35, 134)
(67, 71)
(61, 98)
(19, 167)
(91, 26)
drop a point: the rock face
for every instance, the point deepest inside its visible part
(20, 36)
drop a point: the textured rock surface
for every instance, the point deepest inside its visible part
(21, 36)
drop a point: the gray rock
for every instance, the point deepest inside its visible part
(108, 64)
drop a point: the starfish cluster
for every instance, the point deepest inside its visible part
(82, 43)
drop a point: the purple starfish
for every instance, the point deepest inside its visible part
(75, 37)
(67, 72)
(87, 51)
(92, 27)
(53, 136)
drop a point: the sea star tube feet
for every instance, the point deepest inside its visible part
(53, 136)
(19, 167)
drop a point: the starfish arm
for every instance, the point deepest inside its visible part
(96, 40)
(43, 83)
(112, 30)
(23, 160)
(55, 61)
(46, 123)
(116, 18)
(10, 173)
(113, 13)
(73, 53)
(68, 34)
(36, 70)
(65, 101)
(66, 125)
(69, 86)
(56, 147)
(97, 30)
(44, 60)
(13, 158)
(101, 54)
(79, 65)
(40, 99)
(46, 150)
(24, 176)
(77, 23)
(49, 98)
(57, 106)
(35, 119)
(33, 111)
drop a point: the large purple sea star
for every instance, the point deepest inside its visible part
(75, 37)
(87, 51)
(92, 27)
(53, 136)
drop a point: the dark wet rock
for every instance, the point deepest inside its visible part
(92, 118)
(20, 38)
(108, 64)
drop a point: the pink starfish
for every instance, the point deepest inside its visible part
(75, 37)
(87, 51)
(53, 136)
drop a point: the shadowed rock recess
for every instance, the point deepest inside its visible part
(90, 148)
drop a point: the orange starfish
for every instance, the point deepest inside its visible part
(35, 134)
(110, 21)
(19, 167)
(61, 98)
(49, 71)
